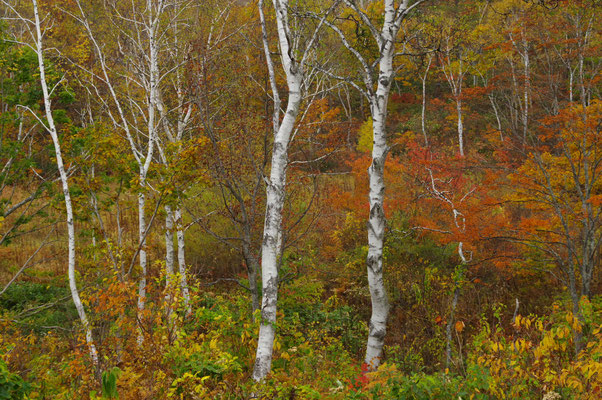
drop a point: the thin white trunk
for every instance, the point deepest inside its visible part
(169, 248)
(51, 128)
(145, 166)
(450, 324)
(460, 124)
(497, 115)
(571, 73)
(455, 78)
(182, 260)
(142, 259)
(428, 67)
(174, 135)
(454, 304)
(169, 259)
(514, 107)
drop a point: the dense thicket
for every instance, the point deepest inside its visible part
(300, 199)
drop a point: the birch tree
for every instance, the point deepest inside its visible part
(176, 114)
(453, 203)
(376, 78)
(294, 63)
(133, 101)
(36, 30)
(454, 71)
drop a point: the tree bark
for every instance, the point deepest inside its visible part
(423, 114)
(376, 219)
(460, 124)
(275, 194)
(145, 166)
(182, 260)
(51, 128)
(142, 259)
(270, 249)
(169, 260)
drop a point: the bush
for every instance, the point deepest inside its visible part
(12, 386)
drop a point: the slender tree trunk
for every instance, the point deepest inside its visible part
(182, 260)
(450, 325)
(460, 124)
(252, 271)
(423, 115)
(169, 259)
(575, 299)
(587, 267)
(169, 247)
(142, 258)
(454, 304)
(497, 115)
(571, 73)
(515, 107)
(145, 166)
(51, 128)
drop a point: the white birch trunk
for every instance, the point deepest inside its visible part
(145, 166)
(385, 40)
(51, 128)
(142, 258)
(376, 234)
(526, 88)
(497, 116)
(275, 193)
(423, 115)
(454, 304)
(460, 124)
(455, 80)
(376, 219)
(182, 261)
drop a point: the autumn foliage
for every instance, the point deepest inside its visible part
(493, 205)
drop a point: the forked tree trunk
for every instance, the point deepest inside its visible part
(275, 195)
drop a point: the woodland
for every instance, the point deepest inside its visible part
(300, 199)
